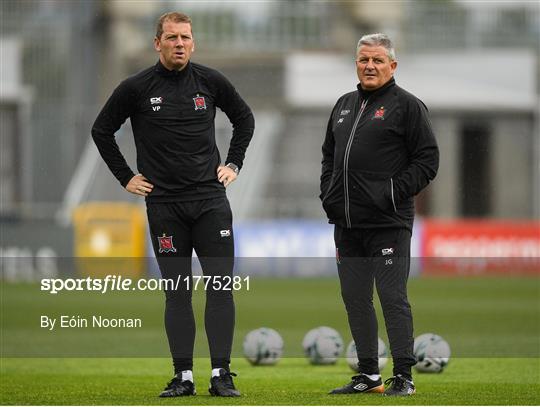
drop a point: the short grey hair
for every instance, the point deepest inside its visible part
(378, 40)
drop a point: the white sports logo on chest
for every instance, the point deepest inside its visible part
(156, 101)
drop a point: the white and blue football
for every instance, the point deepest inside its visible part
(263, 346)
(352, 357)
(322, 346)
(432, 353)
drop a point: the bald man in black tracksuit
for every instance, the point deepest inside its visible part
(172, 106)
(379, 152)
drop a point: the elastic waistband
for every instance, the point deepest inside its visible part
(192, 195)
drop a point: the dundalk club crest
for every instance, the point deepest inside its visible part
(199, 101)
(379, 114)
(166, 244)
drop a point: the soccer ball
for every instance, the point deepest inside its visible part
(432, 353)
(263, 346)
(322, 345)
(352, 357)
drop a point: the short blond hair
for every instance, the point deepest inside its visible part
(171, 16)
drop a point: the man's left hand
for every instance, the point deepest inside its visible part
(226, 175)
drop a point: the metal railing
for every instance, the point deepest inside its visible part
(442, 26)
(267, 26)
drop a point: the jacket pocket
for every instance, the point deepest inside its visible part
(333, 199)
(371, 191)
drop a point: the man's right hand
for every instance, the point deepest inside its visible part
(139, 185)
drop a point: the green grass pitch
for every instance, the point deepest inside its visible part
(492, 325)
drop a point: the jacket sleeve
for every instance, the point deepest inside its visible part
(328, 155)
(115, 112)
(241, 117)
(422, 150)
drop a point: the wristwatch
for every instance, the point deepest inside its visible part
(233, 167)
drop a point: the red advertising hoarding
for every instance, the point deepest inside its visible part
(481, 247)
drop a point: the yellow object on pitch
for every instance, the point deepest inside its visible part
(109, 238)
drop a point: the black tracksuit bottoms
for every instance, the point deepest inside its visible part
(176, 229)
(380, 256)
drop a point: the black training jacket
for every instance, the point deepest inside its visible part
(172, 117)
(379, 152)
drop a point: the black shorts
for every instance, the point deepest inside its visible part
(178, 228)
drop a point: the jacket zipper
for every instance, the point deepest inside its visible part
(346, 163)
(392, 192)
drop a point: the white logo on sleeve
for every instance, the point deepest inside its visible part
(225, 233)
(387, 252)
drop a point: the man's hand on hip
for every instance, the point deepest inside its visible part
(226, 175)
(139, 185)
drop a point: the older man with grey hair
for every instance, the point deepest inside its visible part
(379, 152)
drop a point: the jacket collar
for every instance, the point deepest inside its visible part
(366, 93)
(163, 71)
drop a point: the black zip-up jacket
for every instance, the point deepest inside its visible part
(379, 152)
(172, 117)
